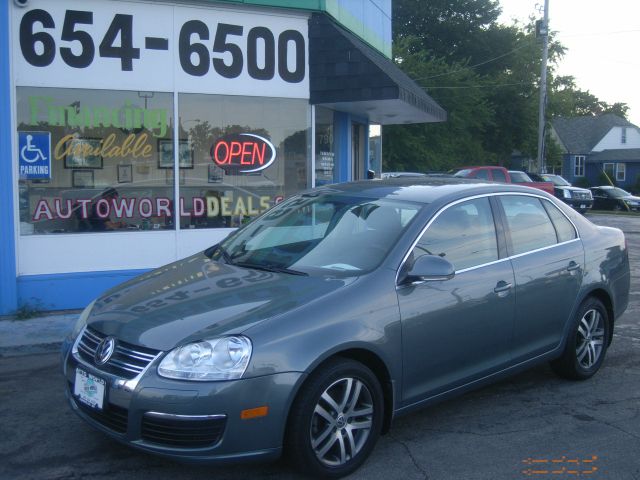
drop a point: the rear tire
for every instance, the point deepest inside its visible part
(587, 343)
(335, 420)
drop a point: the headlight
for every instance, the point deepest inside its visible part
(223, 358)
(82, 321)
(566, 193)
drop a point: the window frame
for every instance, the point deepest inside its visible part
(504, 248)
(621, 178)
(579, 165)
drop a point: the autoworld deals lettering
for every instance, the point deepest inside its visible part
(127, 208)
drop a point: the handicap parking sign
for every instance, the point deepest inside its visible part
(34, 155)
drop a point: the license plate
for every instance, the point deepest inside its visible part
(89, 389)
(583, 206)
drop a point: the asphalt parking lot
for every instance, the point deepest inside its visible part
(534, 425)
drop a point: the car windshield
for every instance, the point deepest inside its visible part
(461, 173)
(556, 180)
(320, 234)
(616, 192)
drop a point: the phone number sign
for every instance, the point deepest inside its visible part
(108, 44)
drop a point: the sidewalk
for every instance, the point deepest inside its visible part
(35, 335)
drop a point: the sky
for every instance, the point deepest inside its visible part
(603, 42)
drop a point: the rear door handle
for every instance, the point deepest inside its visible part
(573, 266)
(502, 287)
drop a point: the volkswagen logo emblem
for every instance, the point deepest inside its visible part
(104, 351)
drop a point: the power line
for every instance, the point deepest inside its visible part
(594, 34)
(473, 66)
(490, 85)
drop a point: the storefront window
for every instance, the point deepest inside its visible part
(325, 155)
(241, 156)
(94, 160)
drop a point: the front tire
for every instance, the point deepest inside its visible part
(587, 343)
(335, 420)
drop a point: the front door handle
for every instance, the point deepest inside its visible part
(502, 288)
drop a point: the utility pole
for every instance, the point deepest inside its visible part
(543, 31)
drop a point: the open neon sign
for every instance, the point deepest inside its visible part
(244, 152)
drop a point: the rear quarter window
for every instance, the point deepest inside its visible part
(565, 230)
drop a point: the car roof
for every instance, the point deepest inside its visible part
(419, 189)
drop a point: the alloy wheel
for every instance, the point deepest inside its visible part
(590, 339)
(341, 421)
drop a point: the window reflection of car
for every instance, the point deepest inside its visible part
(384, 175)
(614, 198)
(309, 329)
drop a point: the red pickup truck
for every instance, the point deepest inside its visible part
(501, 174)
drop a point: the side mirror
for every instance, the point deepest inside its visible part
(431, 268)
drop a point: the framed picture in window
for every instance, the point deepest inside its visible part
(215, 174)
(83, 153)
(165, 154)
(125, 173)
(82, 179)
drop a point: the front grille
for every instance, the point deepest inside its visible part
(127, 361)
(185, 432)
(112, 416)
(582, 195)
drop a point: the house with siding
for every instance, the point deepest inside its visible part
(595, 144)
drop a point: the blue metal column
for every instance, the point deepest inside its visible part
(8, 285)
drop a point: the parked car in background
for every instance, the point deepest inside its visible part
(502, 175)
(489, 172)
(578, 198)
(607, 197)
(310, 328)
(521, 178)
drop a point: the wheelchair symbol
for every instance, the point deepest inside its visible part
(33, 152)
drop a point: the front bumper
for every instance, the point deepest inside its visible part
(578, 204)
(190, 421)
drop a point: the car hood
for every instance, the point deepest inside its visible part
(199, 298)
(631, 198)
(572, 189)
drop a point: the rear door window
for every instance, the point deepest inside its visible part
(528, 223)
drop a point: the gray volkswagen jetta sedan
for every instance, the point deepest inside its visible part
(308, 330)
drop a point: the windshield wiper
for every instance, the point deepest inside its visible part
(219, 248)
(271, 268)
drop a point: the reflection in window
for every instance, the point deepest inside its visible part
(326, 234)
(108, 172)
(325, 155)
(529, 225)
(242, 156)
(464, 234)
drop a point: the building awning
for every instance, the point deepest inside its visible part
(348, 75)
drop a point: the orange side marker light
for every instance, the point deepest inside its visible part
(254, 413)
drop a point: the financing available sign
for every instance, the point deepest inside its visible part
(34, 155)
